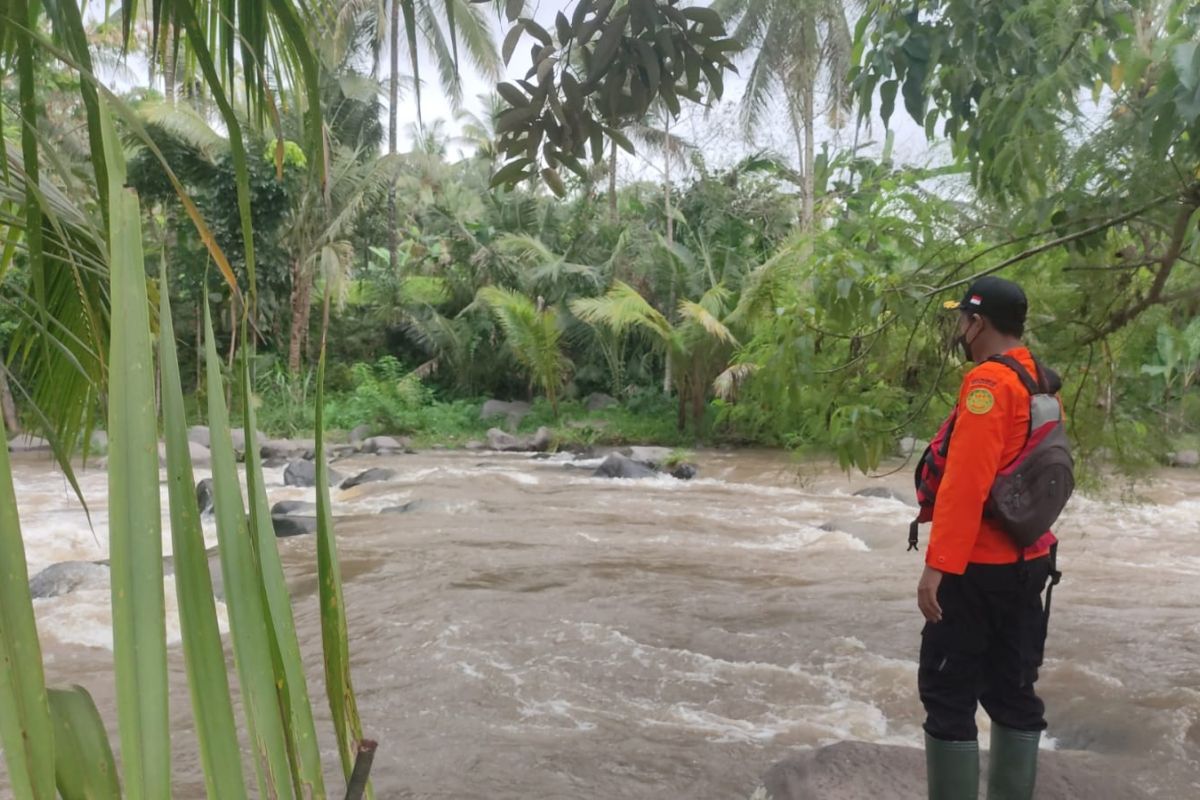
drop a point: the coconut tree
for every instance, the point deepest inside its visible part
(431, 31)
(697, 346)
(534, 335)
(800, 46)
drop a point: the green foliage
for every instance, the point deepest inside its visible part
(534, 337)
(385, 396)
(602, 68)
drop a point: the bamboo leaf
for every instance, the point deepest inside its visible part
(248, 620)
(83, 759)
(25, 729)
(338, 685)
(203, 651)
(288, 666)
(134, 508)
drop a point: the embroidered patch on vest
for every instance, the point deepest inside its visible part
(980, 401)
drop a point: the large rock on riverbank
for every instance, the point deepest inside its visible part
(861, 771)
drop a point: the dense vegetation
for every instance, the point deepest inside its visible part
(240, 211)
(778, 301)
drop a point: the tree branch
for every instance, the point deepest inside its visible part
(1155, 295)
(1053, 243)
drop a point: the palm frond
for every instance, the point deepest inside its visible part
(621, 309)
(695, 312)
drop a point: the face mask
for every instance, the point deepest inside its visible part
(964, 344)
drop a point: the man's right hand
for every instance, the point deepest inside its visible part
(927, 590)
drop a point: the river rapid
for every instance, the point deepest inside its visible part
(527, 631)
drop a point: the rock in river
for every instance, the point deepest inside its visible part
(373, 475)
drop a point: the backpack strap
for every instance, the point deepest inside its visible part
(1031, 386)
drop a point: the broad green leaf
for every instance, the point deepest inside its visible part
(1183, 58)
(887, 99)
(83, 759)
(134, 507)
(203, 651)
(334, 639)
(248, 616)
(25, 729)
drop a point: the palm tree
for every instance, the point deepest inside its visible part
(435, 31)
(697, 347)
(318, 234)
(534, 336)
(800, 44)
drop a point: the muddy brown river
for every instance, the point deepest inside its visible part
(527, 631)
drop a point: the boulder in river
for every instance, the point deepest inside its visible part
(509, 443)
(285, 507)
(685, 471)
(884, 493)
(291, 525)
(359, 434)
(204, 495)
(855, 770)
(1184, 458)
(68, 576)
(286, 448)
(373, 475)
(619, 466)
(304, 473)
(198, 453)
(514, 412)
(200, 435)
(386, 445)
(27, 443)
(505, 442)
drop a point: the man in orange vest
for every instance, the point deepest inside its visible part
(979, 593)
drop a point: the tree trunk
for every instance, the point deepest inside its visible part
(301, 307)
(667, 183)
(12, 423)
(681, 419)
(808, 111)
(393, 122)
(612, 185)
(698, 393)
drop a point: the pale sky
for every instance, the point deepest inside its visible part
(716, 131)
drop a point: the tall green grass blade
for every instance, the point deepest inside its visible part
(25, 731)
(334, 641)
(83, 759)
(134, 509)
(248, 620)
(203, 652)
(289, 667)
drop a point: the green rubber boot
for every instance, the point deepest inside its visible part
(1012, 766)
(952, 769)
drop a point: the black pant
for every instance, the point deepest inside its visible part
(987, 649)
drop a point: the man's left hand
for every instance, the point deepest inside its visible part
(927, 590)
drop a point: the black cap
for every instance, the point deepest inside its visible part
(995, 298)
